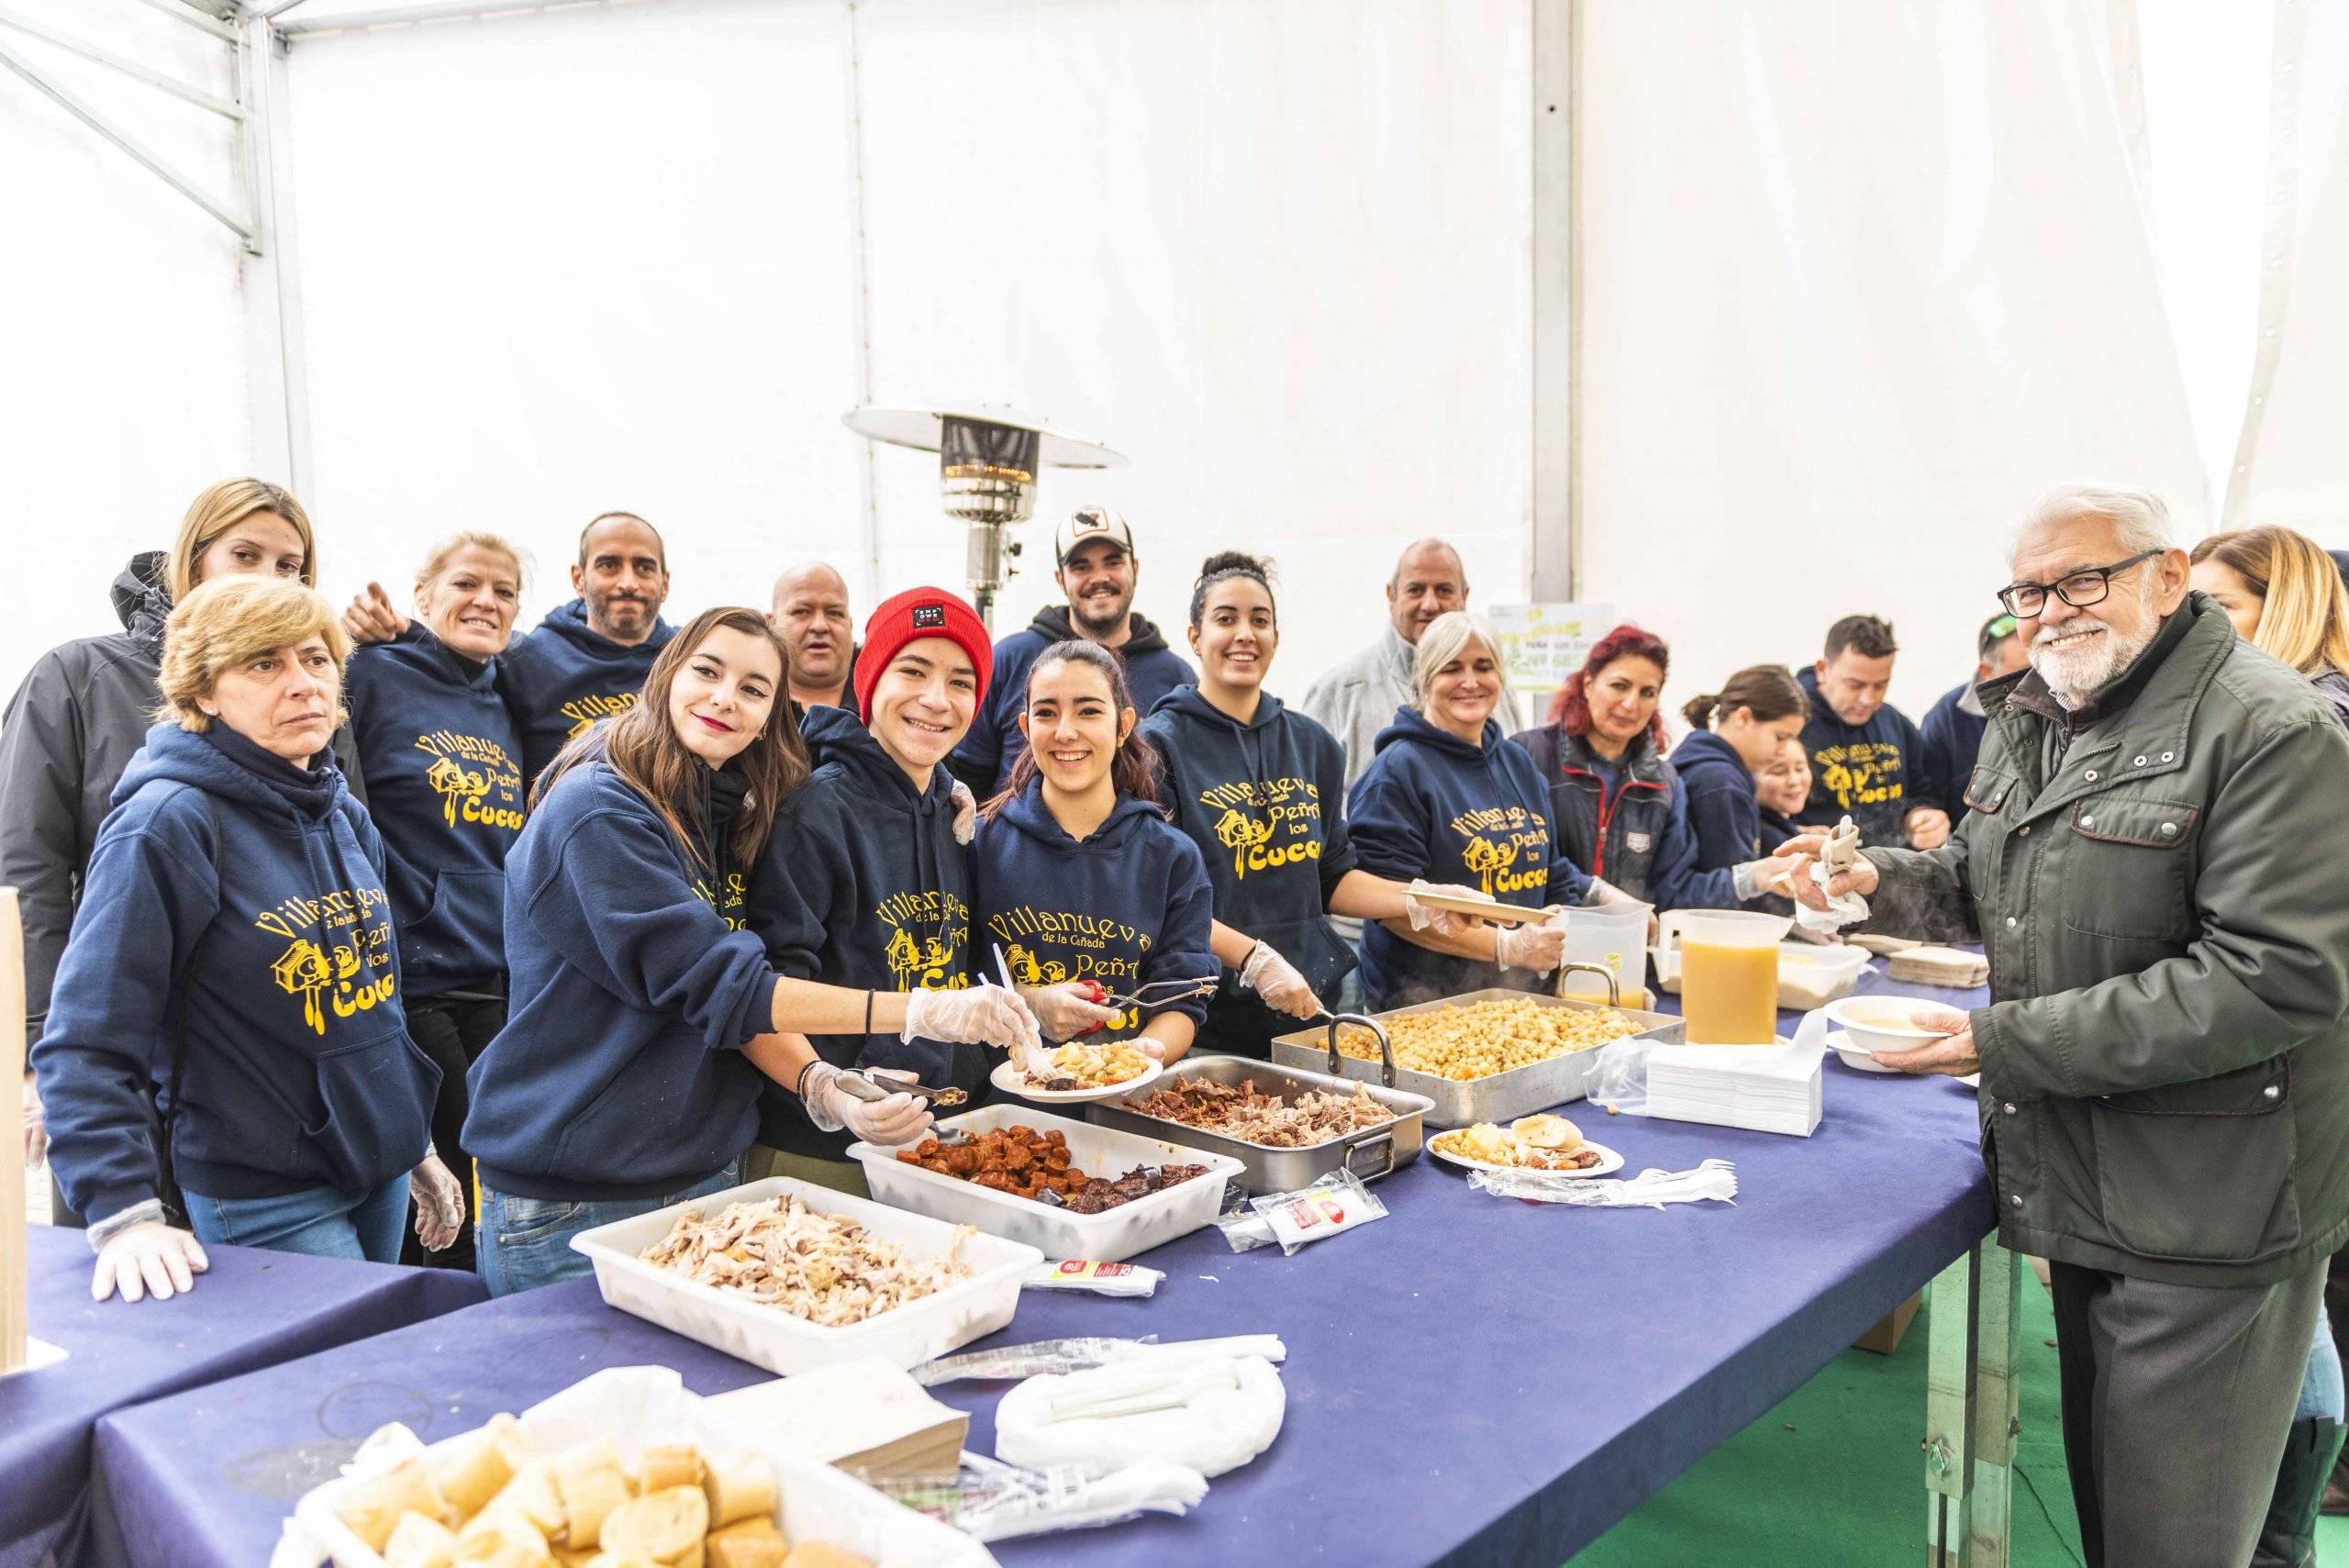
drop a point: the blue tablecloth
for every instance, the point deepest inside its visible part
(252, 1309)
(1470, 1380)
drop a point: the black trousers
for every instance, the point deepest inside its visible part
(453, 1031)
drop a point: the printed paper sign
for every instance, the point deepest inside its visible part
(1543, 644)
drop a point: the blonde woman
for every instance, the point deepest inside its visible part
(2285, 597)
(85, 707)
(443, 759)
(235, 945)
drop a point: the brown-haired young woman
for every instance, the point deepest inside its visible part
(1738, 732)
(642, 1011)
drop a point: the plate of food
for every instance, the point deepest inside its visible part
(1081, 1072)
(1543, 1142)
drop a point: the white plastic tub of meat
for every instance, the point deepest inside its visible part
(773, 1338)
(1108, 1237)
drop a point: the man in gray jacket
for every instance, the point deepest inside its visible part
(2152, 860)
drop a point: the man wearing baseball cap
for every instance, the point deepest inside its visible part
(864, 875)
(1095, 565)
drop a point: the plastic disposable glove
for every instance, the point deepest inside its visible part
(900, 1119)
(966, 811)
(440, 1203)
(1604, 895)
(147, 1258)
(1274, 979)
(1068, 1009)
(1535, 947)
(1442, 922)
(35, 1129)
(371, 616)
(979, 1014)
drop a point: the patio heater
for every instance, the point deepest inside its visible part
(987, 463)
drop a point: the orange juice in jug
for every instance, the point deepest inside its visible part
(1729, 996)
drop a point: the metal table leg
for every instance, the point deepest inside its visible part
(1970, 1408)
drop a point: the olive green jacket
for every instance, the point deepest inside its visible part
(2166, 1055)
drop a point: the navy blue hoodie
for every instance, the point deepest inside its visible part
(1952, 733)
(1874, 770)
(1431, 804)
(986, 757)
(443, 763)
(864, 885)
(1264, 802)
(234, 932)
(1722, 809)
(562, 677)
(1128, 906)
(619, 1072)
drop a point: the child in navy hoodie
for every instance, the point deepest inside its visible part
(644, 1014)
(1734, 734)
(864, 883)
(235, 946)
(443, 762)
(1084, 884)
(1260, 790)
(1451, 799)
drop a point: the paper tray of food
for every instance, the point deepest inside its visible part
(1492, 1026)
(1113, 1235)
(944, 1318)
(634, 1409)
(1233, 1085)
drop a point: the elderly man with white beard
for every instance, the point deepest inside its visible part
(2152, 860)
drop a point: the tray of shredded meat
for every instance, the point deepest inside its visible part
(1141, 1208)
(1287, 1126)
(789, 1275)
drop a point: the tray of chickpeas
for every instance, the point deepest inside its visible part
(1490, 1055)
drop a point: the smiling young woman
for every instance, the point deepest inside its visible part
(645, 1017)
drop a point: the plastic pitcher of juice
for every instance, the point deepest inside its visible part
(1615, 938)
(1729, 975)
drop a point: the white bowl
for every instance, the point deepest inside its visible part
(1853, 1056)
(1885, 1023)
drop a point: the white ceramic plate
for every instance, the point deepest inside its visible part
(1609, 1160)
(1008, 1077)
(1855, 1056)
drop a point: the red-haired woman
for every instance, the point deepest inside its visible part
(1617, 805)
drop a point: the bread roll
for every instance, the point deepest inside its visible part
(419, 1543)
(753, 1543)
(666, 1526)
(740, 1486)
(472, 1469)
(372, 1508)
(591, 1483)
(818, 1554)
(531, 1493)
(661, 1468)
(502, 1534)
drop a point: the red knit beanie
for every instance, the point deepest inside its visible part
(907, 618)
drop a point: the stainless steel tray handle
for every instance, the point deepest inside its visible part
(1384, 1140)
(1614, 989)
(1385, 1047)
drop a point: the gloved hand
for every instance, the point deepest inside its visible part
(35, 1129)
(980, 1014)
(966, 811)
(371, 616)
(900, 1119)
(440, 1203)
(1604, 895)
(1442, 922)
(1768, 874)
(1537, 947)
(148, 1257)
(1274, 979)
(1068, 1009)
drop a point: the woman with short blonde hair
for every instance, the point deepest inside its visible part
(236, 947)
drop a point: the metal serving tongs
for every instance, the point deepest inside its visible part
(863, 1087)
(1158, 993)
(1386, 1046)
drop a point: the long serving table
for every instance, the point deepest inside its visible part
(1470, 1381)
(250, 1311)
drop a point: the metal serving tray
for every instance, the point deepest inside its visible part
(1501, 1097)
(1370, 1152)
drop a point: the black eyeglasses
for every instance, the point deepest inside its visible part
(2079, 590)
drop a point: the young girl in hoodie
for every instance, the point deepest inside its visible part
(442, 757)
(644, 1016)
(1452, 799)
(1083, 882)
(1260, 790)
(235, 946)
(864, 882)
(1737, 732)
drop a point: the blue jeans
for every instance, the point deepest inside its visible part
(2320, 1391)
(524, 1243)
(319, 1221)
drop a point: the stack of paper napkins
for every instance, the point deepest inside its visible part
(1768, 1088)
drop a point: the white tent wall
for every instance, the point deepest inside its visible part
(1858, 281)
(123, 389)
(555, 264)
